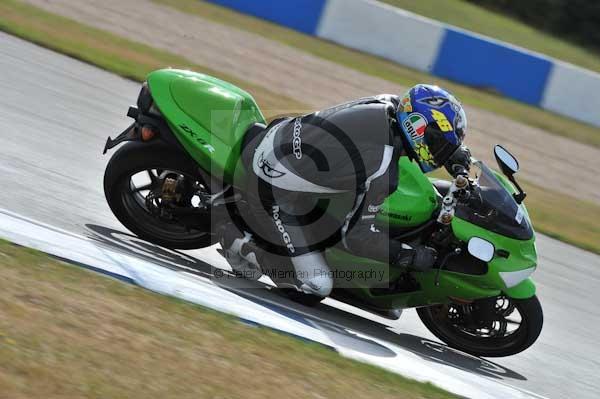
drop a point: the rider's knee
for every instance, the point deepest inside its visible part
(314, 274)
(319, 285)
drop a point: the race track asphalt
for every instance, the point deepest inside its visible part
(55, 115)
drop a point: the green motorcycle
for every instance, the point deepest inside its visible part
(176, 174)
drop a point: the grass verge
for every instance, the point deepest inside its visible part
(391, 71)
(486, 22)
(105, 339)
(567, 218)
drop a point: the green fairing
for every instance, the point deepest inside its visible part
(524, 290)
(413, 202)
(415, 198)
(522, 256)
(209, 118)
(207, 115)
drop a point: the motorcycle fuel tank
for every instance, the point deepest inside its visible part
(413, 202)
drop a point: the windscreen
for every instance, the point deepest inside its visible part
(492, 207)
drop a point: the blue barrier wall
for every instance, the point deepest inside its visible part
(440, 49)
(480, 62)
(301, 15)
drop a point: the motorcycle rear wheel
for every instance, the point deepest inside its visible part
(129, 204)
(487, 339)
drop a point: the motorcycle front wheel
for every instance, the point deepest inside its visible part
(134, 186)
(493, 327)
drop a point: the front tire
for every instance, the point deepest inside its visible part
(129, 205)
(491, 337)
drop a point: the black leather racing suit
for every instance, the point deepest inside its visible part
(318, 180)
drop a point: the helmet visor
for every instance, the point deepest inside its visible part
(440, 148)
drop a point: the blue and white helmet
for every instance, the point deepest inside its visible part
(434, 124)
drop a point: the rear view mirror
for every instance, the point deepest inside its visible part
(481, 249)
(506, 161)
(509, 166)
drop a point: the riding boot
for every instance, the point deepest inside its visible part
(240, 252)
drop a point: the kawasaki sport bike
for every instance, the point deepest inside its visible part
(188, 132)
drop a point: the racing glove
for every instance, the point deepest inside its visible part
(460, 162)
(421, 258)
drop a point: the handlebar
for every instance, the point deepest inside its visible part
(459, 188)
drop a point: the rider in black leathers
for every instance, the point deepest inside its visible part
(343, 158)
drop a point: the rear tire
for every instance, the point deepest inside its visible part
(443, 327)
(135, 157)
